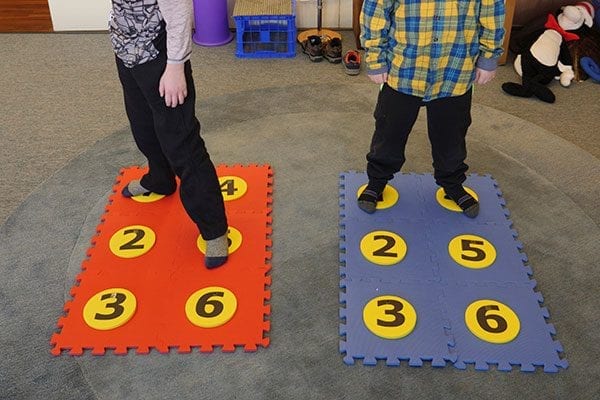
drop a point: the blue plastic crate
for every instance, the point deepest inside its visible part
(265, 36)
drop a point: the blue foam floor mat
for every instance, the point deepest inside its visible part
(422, 283)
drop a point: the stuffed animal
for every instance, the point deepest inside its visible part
(547, 57)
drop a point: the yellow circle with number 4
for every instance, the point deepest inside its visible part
(234, 240)
(148, 197)
(383, 247)
(132, 241)
(109, 309)
(211, 307)
(389, 317)
(492, 321)
(232, 187)
(448, 203)
(472, 251)
(390, 196)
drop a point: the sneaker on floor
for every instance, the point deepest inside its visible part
(333, 51)
(313, 47)
(352, 62)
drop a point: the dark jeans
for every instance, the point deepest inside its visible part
(448, 120)
(170, 140)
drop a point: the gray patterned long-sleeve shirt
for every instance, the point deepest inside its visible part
(134, 24)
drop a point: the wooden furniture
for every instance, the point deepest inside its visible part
(510, 11)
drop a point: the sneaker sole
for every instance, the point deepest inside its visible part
(352, 71)
(334, 60)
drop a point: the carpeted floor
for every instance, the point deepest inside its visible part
(66, 139)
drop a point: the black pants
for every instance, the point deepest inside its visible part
(170, 140)
(448, 120)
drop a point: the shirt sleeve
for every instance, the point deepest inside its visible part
(178, 16)
(374, 28)
(491, 22)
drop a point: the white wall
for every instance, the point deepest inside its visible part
(89, 15)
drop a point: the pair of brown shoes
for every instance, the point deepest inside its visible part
(317, 49)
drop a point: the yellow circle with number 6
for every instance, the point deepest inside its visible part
(492, 321)
(211, 307)
(109, 309)
(472, 251)
(383, 247)
(389, 317)
(232, 187)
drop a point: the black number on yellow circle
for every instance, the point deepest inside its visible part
(234, 241)
(211, 307)
(109, 309)
(472, 251)
(124, 245)
(483, 319)
(232, 187)
(118, 309)
(390, 252)
(216, 307)
(492, 321)
(389, 317)
(228, 187)
(394, 311)
(389, 243)
(131, 245)
(468, 245)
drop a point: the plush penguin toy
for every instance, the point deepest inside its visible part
(548, 57)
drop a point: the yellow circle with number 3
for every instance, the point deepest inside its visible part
(472, 251)
(492, 321)
(448, 203)
(132, 241)
(383, 247)
(109, 309)
(211, 307)
(232, 187)
(389, 317)
(390, 196)
(234, 239)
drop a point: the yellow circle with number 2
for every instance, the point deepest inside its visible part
(492, 321)
(383, 247)
(390, 317)
(109, 309)
(211, 307)
(132, 241)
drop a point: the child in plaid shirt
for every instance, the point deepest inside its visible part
(427, 53)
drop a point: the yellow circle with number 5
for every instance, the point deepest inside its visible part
(390, 196)
(492, 321)
(211, 307)
(109, 309)
(383, 247)
(448, 203)
(232, 187)
(132, 241)
(234, 240)
(472, 251)
(389, 317)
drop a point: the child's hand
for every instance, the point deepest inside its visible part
(482, 76)
(172, 85)
(379, 78)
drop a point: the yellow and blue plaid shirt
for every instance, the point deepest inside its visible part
(430, 48)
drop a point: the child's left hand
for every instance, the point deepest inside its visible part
(482, 76)
(172, 86)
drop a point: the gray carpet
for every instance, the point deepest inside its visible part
(308, 136)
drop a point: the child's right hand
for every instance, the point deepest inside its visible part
(379, 78)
